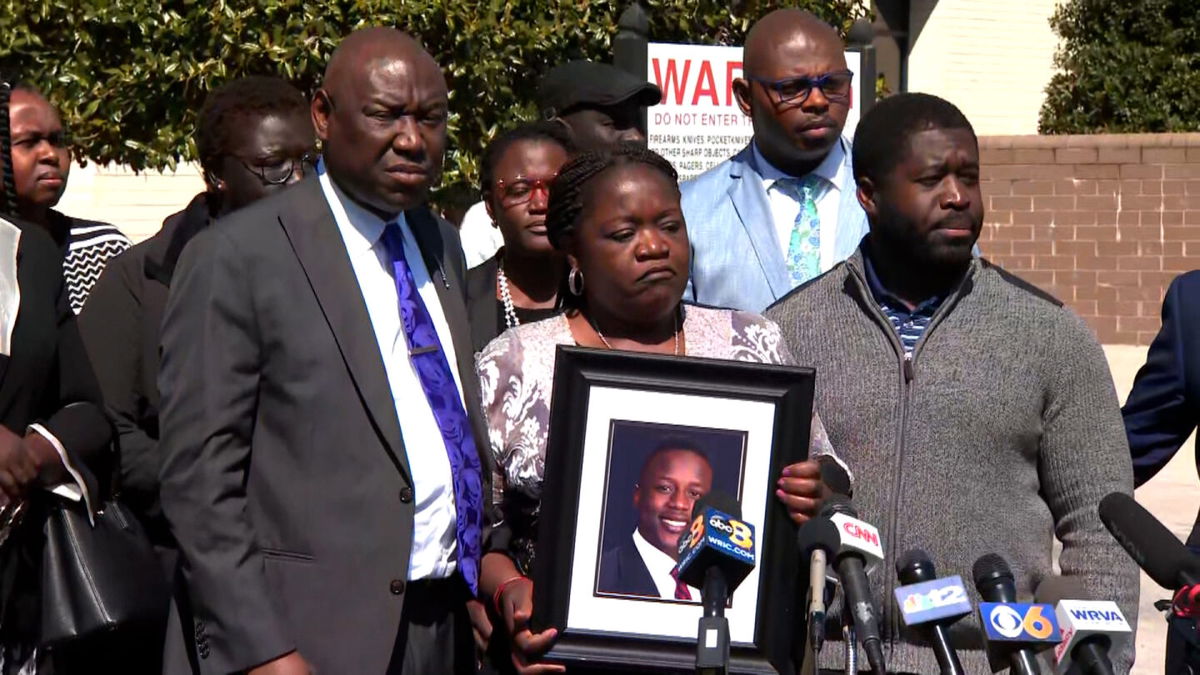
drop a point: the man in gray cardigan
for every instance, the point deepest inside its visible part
(977, 412)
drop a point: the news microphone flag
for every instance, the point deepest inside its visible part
(933, 600)
(1081, 620)
(858, 536)
(1031, 624)
(716, 538)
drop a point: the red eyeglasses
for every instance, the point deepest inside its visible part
(521, 189)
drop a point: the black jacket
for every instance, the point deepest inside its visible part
(120, 325)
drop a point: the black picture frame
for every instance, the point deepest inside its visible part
(778, 629)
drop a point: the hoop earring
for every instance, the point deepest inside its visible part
(575, 281)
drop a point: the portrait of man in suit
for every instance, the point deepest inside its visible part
(676, 472)
(324, 461)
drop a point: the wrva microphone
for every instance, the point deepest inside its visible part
(933, 604)
(858, 546)
(715, 556)
(1091, 629)
(1015, 627)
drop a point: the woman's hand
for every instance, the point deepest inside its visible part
(516, 606)
(481, 625)
(801, 490)
(19, 466)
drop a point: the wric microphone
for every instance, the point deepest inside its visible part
(1091, 629)
(1019, 627)
(715, 556)
(933, 604)
(859, 545)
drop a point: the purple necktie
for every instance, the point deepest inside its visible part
(433, 369)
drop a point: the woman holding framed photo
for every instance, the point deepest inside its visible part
(616, 215)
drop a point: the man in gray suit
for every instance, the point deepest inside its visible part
(783, 210)
(323, 462)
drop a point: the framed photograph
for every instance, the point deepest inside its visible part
(634, 441)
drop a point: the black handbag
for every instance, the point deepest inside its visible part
(97, 578)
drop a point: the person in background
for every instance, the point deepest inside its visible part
(783, 210)
(323, 460)
(522, 282)
(673, 478)
(600, 106)
(615, 215)
(254, 137)
(53, 433)
(978, 412)
(41, 163)
(1162, 411)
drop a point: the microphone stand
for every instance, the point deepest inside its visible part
(712, 640)
(851, 640)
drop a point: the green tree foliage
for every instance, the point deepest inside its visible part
(1127, 66)
(130, 75)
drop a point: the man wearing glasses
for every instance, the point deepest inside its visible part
(783, 210)
(254, 136)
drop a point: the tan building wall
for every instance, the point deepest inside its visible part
(136, 203)
(992, 59)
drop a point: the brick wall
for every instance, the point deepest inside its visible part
(1102, 222)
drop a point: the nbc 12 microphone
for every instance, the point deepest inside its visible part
(858, 546)
(1091, 629)
(715, 556)
(818, 541)
(1151, 545)
(933, 604)
(1019, 627)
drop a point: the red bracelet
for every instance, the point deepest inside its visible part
(500, 589)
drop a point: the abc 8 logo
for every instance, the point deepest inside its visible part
(1011, 624)
(740, 534)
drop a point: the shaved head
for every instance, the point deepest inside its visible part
(781, 31)
(788, 46)
(381, 114)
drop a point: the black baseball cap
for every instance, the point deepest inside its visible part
(577, 83)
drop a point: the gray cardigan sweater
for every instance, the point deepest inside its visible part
(1001, 433)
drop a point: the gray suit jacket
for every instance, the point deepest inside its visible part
(737, 261)
(284, 474)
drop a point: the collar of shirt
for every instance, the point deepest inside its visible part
(366, 226)
(659, 565)
(891, 301)
(832, 168)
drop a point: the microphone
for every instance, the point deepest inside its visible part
(1091, 629)
(715, 556)
(818, 539)
(858, 545)
(1151, 545)
(933, 604)
(835, 477)
(1021, 627)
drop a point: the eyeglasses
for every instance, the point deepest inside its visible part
(281, 172)
(834, 86)
(521, 189)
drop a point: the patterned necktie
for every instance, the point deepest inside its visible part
(804, 244)
(433, 369)
(682, 592)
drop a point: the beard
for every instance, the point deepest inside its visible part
(896, 234)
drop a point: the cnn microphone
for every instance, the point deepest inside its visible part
(1020, 627)
(715, 556)
(818, 541)
(1091, 629)
(1151, 545)
(932, 604)
(858, 546)
(835, 477)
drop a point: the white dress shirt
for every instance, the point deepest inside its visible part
(785, 207)
(434, 525)
(660, 565)
(480, 237)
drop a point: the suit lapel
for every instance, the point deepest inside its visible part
(750, 201)
(319, 247)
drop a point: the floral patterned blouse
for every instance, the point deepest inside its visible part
(516, 371)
